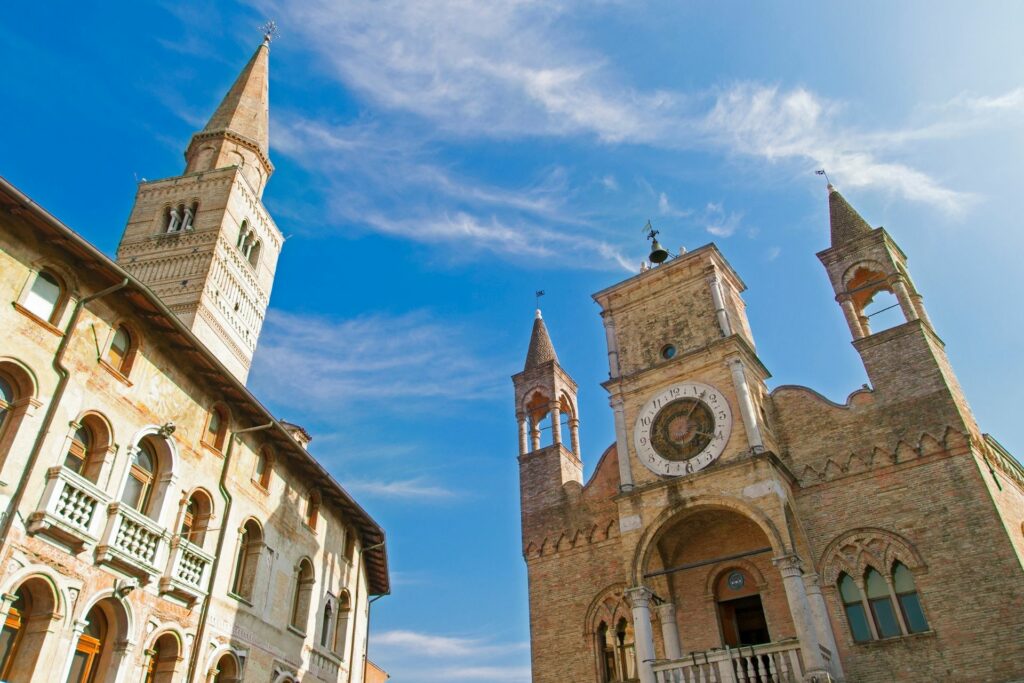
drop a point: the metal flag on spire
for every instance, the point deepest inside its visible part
(538, 294)
(821, 171)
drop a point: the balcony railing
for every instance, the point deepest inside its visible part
(131, 542)
(188, 571)
(768, 663)
(71, 510)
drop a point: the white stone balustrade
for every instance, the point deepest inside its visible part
(71, 510)
(132, 542)
(188, 570)
(768, 663)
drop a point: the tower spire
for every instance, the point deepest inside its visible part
(844, 220)
(238, 133)
(541, 349)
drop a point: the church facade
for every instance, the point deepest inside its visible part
(732, 533)
(159, 524)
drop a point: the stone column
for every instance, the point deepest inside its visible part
(643, 636)
(739, 380)
(621, 446)
(574, 436)
(896, 604)
(534, 434)
(556, 423)
(919, 306)
(865, 325)
(613, 346)
(77, 629)
(819, 611)
(719, 301)
(800, 608)
(524, 438)
(899, 288)
(850, 311)
(669, 630)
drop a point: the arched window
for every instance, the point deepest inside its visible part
(264, 467)
(350, 545)
(216, 428)
(303, 591)
(325, 624)
(138, 489)
(906, 595)
(313, 509)
(881, 605)
(341, 627)
(853, 604)
(196, 518)
(243, 236)
(624, 654)
(250, 547)
(227, 670)
(89, 648)
(254, 252)
(121, 353)
(45, 296)
(82, 445)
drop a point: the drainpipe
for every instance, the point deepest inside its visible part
(51, 411)
(193, 658)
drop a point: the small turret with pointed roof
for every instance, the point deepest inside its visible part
(238, 133)
(846, 223)
(541, 349)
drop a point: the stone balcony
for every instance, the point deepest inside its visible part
(779, 662)
(132, 542)
(187, 575)
(71, 510)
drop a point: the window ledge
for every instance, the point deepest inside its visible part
(882, 642)
(301, 634)
(239, 598)
(260, 487)
(328, 653)
(213, 449)
(309, 527)
(45, 324)
(115, 372)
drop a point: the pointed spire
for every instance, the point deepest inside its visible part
(541, 349)
(846, 223)
(245, 110)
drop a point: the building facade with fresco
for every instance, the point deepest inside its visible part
(732, 533)
(159, 524)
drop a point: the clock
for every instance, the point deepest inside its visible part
(682, 429)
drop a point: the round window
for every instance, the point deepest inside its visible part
(668, 352)
(736, 580)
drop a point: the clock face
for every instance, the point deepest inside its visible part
(682, 429)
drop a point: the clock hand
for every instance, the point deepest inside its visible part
(696, 402)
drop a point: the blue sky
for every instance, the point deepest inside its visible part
(439, 160)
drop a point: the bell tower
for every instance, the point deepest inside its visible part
(906, 363)
(203, 241)
(545, 393)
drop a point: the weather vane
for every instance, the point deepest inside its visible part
(821, 171)
(538, 294)
(269, 31)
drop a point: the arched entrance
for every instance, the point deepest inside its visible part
(227, 669)
(29, 620)
(101, 645)
(163, 659)
(714, 564)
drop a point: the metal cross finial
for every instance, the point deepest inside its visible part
(269, 31)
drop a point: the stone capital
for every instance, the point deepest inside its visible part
(639, 596)
(666, 611)
(789, 565)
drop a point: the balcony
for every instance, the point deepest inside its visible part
(71, 510)
(131, 542)
(778, 662)
(188, 571)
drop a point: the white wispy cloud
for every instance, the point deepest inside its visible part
(401, 489)
(362, 362)
(414, 655)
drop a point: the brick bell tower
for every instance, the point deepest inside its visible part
(544, 391)
(203, 241)
(907, 364)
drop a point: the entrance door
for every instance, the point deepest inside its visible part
(743, 621)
